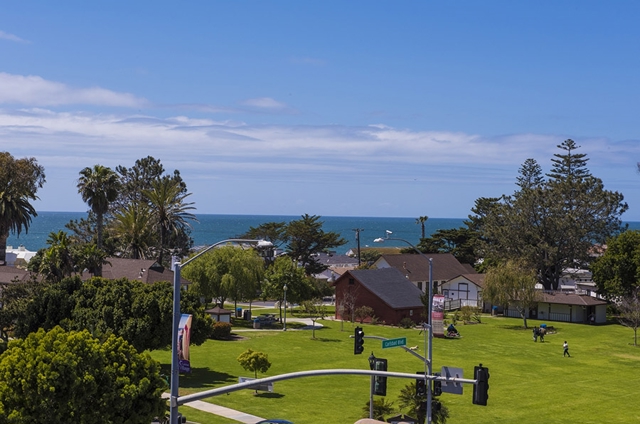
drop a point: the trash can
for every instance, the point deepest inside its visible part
(238, 312)
(256, 323)
(247, 315)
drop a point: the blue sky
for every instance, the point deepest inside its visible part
(335, 108)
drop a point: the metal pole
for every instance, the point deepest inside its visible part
(429, 363)
(173, 401)
(285, 308)
(430, 352)
(371, 397)
(175, 369)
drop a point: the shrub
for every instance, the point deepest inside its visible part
(221, 331)
(363, 313)
(407, 322)
(470, 314)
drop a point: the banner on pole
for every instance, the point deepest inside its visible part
(437, 315)
(184, 337)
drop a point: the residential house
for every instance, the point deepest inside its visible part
(444, 267)
(386, 290)
(145, 270)
(463, 290)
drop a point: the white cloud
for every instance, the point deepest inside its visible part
(264, 103)
(11, 37)
(212, 153)
(35, 91)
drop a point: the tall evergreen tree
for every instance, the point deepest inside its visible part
(551, 224)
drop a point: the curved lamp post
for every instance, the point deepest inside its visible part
(177, 266)
(428, 364)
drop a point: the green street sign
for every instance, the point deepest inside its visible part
(402, 341)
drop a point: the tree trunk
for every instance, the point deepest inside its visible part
(3, 248)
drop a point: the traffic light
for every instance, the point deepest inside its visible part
(437, 385)
(380, 382)
(421, 386)
(481, 388)
(182, 419)
(358, 343)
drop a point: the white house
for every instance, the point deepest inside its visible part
(463, 290)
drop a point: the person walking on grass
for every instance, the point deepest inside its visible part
(565, 346)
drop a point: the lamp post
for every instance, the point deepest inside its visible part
(372, 364)
(177, 266)
(284, 327)
(429, 359)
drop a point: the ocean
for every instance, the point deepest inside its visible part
(214, 228)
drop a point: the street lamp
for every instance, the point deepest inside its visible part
(284, 328)
(429, 361)
(177, 266)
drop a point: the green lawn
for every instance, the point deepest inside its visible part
(530, 382)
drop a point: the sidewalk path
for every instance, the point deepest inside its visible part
(224, 412)
(220, 410)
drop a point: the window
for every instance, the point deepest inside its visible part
(420, 285)
(463, 291)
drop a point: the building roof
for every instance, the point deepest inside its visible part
(145, 270)
(10, 274)
(475, 278)
(390, 285)
(571, 299)
(217, 310)
(416, 267)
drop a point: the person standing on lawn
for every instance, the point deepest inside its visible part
(565, 346)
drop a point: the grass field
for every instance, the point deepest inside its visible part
(530, 382)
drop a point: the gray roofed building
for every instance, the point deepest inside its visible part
(386, 290)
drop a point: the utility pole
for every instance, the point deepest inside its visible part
(357, 230)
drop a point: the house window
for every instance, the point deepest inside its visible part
(420, 285)
(411, 312)
(352, 281)
(463, 291)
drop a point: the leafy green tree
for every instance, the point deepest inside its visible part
(364, 312)
(368, 258)
(88, 257)
(512, 284)
(306, 238)
(460, 242)
(284, 272)
(617, 272)
(226, 272)
(169, 210)
(421, 221)
(98, 187)
(140, 313)
(20, 180)
(629, 312)
(254, 361)
(274, 232)
(60, 376)
(550, 224)
(139, 178)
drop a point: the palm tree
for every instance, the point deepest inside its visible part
(57, 261)
(98, 187)
(15, 214)
(421, 220)
(132, 228)
(167, 200)
(19, 181)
